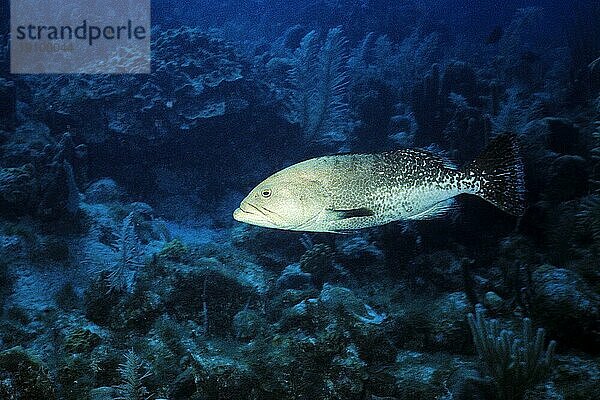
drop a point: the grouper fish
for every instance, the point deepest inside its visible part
(346, 192)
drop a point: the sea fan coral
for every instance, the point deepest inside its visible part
(319, 79)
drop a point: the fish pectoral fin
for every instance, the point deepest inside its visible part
(437, 210)
(351, 213)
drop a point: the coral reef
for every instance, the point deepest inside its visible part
(81, 341)
(24, 376)
(318, 262)
(123, 275)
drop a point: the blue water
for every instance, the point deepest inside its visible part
(123, 274)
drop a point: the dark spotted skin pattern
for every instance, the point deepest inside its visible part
(398, 185)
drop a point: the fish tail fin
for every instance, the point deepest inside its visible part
(499, 172)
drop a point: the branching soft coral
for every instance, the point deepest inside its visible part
(595, 152)
(515, 363)
(130, 255)
(319, 80)
(132, 374)
(399, 64)
(588, 216)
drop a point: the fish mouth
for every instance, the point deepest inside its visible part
(253, 215)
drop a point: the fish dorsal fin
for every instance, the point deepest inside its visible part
(423, 154)
(437, 210)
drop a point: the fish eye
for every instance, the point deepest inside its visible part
(266, 193)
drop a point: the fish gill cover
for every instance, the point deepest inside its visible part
(124, 276)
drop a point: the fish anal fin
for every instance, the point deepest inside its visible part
(437, 210)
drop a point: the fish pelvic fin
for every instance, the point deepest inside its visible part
(499, 172)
